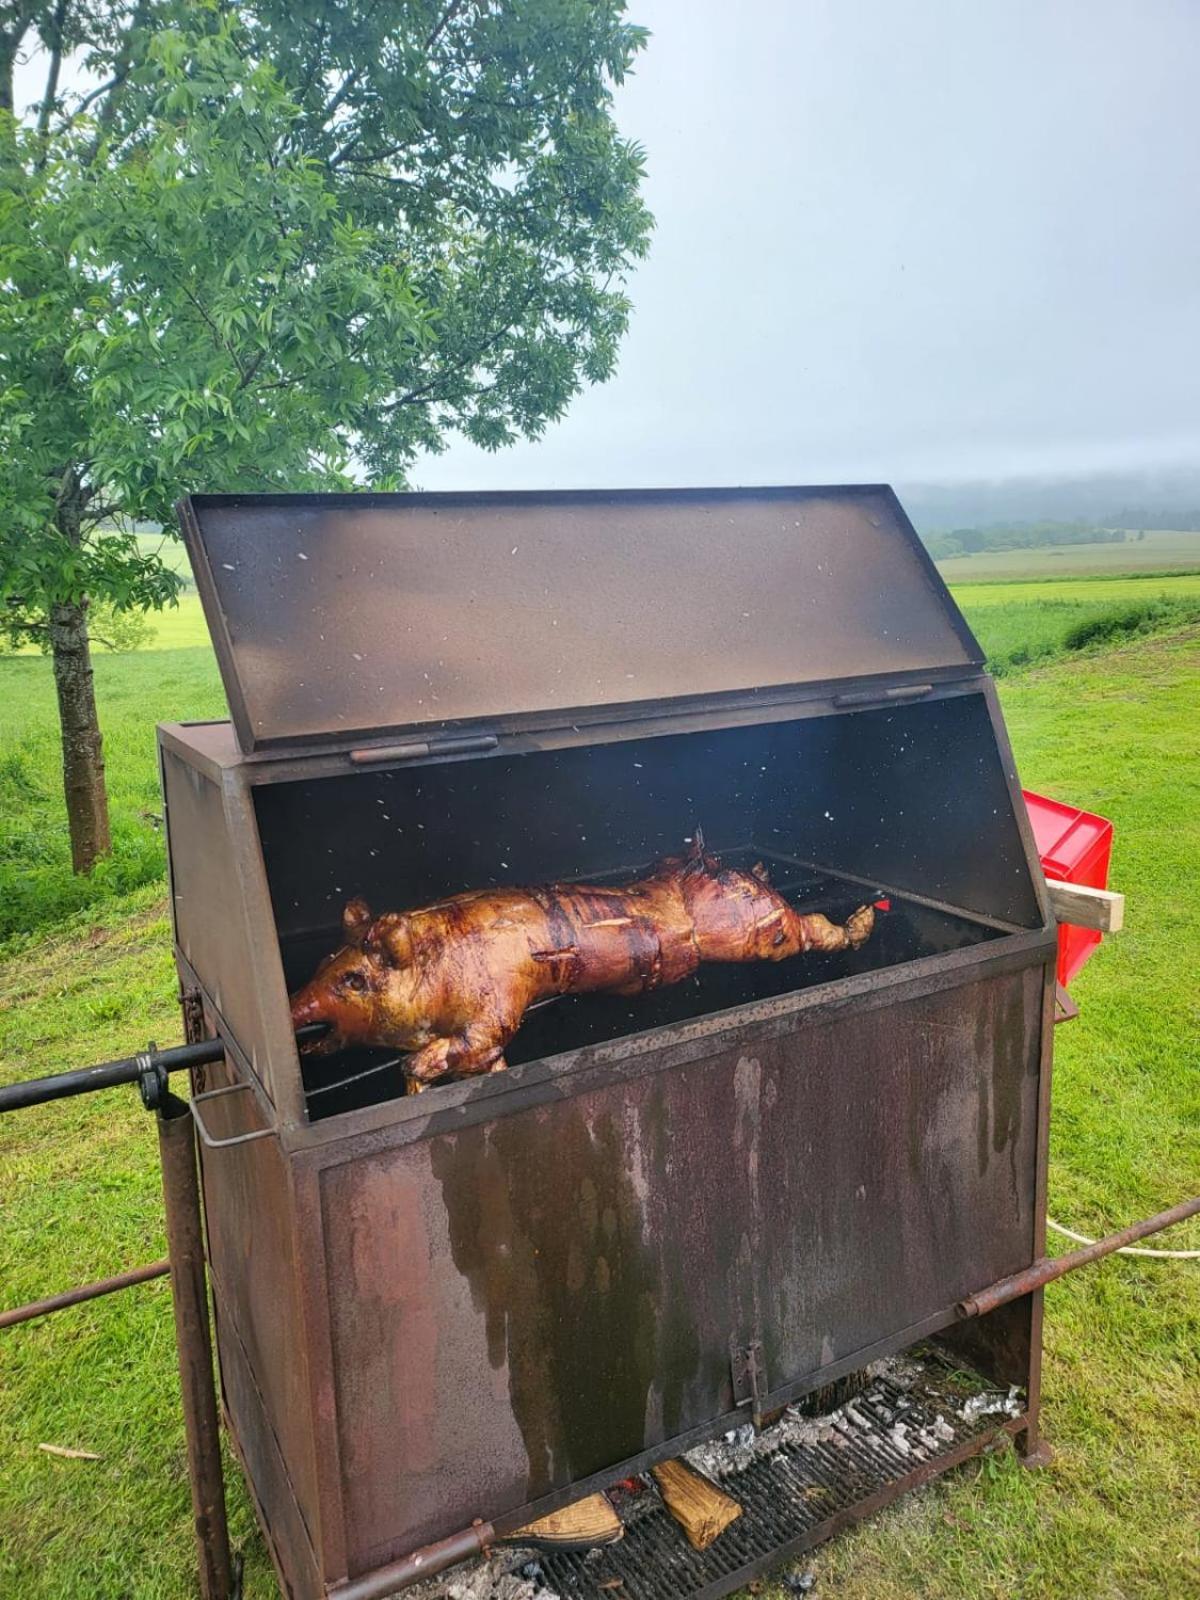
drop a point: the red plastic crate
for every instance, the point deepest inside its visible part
(1075, 847)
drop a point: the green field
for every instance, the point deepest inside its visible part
(1159, 551)
(88, 973)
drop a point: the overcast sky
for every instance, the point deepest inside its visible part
(900, 239)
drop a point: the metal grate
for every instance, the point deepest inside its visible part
(899, 1431)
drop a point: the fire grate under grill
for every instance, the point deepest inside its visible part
(798, 1483)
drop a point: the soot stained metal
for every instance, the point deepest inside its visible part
(474, 1305)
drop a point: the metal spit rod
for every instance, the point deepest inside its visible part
(127, 1069)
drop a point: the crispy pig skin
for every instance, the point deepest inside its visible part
(449, 984)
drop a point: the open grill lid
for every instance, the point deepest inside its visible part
(343, 617)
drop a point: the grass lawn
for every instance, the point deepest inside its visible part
(1158, 551)
(88, 973)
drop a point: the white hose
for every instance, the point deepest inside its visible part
(1128, 1249)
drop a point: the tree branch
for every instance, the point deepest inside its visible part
(10, 42)
(94, 95)
(443, 21)
(50, 95)
(425, 391)
(339, 99)
(124, 65)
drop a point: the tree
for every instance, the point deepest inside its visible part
(284, 244)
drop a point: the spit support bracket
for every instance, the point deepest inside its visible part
(749, 1374)
(152, 1078)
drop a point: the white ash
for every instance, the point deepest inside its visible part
(718, 1458)
(733, 1451)
(987, 1405)
(505, 1575)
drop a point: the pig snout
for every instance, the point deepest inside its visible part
(309, 1006)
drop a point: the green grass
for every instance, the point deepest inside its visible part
(1019, 624)
(37, 887)
(1159, 551)
(1114, 1517)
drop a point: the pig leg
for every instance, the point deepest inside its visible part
(821, 934)
(468, 1054)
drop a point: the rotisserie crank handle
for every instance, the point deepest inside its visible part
(128, 1069)
(1051, 1267)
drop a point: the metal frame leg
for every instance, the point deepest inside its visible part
(181, 1198)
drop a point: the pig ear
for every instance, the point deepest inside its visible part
(760, 872)
(356, 919)
(391, 935)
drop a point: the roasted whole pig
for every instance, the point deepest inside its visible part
(449, 984)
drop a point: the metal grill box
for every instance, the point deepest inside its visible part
(672, 1212)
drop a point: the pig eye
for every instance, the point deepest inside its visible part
(354, 981)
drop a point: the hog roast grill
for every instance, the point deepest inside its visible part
(439, 1317)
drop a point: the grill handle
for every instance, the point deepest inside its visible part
(210, 1139)
(416, 749)
(897, 695)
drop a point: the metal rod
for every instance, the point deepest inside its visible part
(128, 1069)
(85, 1291)
(181, 1199)
(424, 1563)
(1049, 1268)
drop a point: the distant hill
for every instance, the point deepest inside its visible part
(1105, 500)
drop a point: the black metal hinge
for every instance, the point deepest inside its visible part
(749, 1373)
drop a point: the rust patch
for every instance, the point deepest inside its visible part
(551, 1244)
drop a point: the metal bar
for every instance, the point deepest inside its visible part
(1049, 1268)
(181, 1200)
(128, 1069)
(210, 1140)
(423, 1563)
(85, 1291)
(61, 1085)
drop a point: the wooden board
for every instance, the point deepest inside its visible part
(1100, 909)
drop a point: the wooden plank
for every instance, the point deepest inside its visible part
(699, 1507)
(1082, 907)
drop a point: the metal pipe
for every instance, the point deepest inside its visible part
(1051, 1267)
(86, 1291)
(128, 1069)
(424, 1563)
(181, 1200)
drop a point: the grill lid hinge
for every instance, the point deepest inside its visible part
(749, 1374)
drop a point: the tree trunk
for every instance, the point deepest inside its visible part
(82, 745)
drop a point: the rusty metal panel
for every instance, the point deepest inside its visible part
(895, 1155)
(253, 1242)
(533, 1299)
(343, 616)
(517, 1306)
(206, 898)
(224, 925)
(266, 1474)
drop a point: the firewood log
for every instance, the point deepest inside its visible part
(701, 1509)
